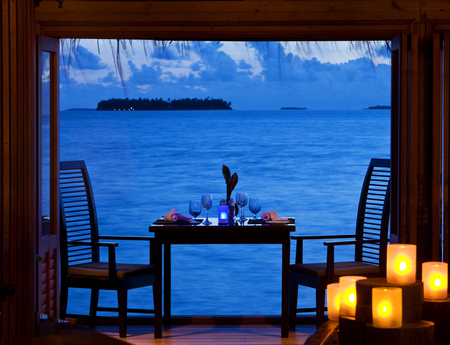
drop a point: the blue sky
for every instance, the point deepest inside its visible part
(252, 75)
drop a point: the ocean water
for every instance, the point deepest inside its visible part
(306, 164)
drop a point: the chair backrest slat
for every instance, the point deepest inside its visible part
(78, 214)
(373, 213)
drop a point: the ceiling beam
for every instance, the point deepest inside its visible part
(256, 19)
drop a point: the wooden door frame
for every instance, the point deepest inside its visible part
(47, 247)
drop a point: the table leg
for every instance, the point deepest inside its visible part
(158, 290)
(167, 284)
(286, 250)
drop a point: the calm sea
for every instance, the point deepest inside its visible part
(304, 164)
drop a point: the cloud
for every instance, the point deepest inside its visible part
(260, 76)
(82, 59)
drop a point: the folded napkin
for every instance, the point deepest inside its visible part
(174, 216)
(272, 215)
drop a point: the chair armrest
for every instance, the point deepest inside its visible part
(299, 239)
(330, 254)
(134, 238)
(127, 238)
(321, 237)
(92, 244)
(343, 243)
(111, 253)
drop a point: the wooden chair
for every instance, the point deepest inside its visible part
(370, 244)
(80, 259)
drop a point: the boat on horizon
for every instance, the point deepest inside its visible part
(376, 107)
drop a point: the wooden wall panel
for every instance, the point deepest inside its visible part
(446, 161)
(18, 173)
(437, 140)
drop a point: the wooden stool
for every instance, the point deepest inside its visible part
(438, 311)
(412, 299)
(351, 332)
(421, 333)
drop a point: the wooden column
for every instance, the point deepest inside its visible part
(416, 143)
(18, 169)
(425, 174)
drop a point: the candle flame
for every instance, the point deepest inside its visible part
(352, 298)
(402, 265)
(384, 308)
(437, 282)
(349, 297)
(337, 302)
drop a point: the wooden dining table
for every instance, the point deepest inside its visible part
(167, 234)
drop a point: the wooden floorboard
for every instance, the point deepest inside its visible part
(261, 334)
(211, 334)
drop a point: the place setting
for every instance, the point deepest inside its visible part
(195, 209)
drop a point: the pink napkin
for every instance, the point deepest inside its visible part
(272, 215)
(174, 216)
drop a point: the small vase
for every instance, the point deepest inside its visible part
(230, 214)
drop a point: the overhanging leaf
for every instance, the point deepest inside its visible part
(226, 173)
(233, 182)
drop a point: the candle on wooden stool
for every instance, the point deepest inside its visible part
(387, 307)
(333, 301)
(435, 280)
(401, 263)
(347, 294)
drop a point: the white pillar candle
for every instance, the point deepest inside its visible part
(387, 307)
(347, 294)
(333, 301)
(434, 278)
(401, 263)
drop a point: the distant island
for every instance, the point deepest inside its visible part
(160, 104)
(292, 108)
(376, 107)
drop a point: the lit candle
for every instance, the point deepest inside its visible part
(387, 307)
(434, 278)
(401, 263)
(347, 294)
(223, 214)
(333, 301)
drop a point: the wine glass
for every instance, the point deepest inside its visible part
(195, 208)
(242, 200)
(207, 203)
(254, 204)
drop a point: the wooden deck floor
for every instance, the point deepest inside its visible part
(262, 334)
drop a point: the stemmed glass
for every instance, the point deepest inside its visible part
(207, 203)
(195, 208)
(254, 204)
(242, 200)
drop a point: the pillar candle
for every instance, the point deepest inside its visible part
(401, 263)
(434, 278)
(333, 301)
(347, 294)
(387, 307)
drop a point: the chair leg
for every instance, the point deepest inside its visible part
(293, 297)
(320, 305)
(94, 302)
(63, 300)
(93, 307)
(122, 300)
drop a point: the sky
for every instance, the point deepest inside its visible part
(250, 75)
